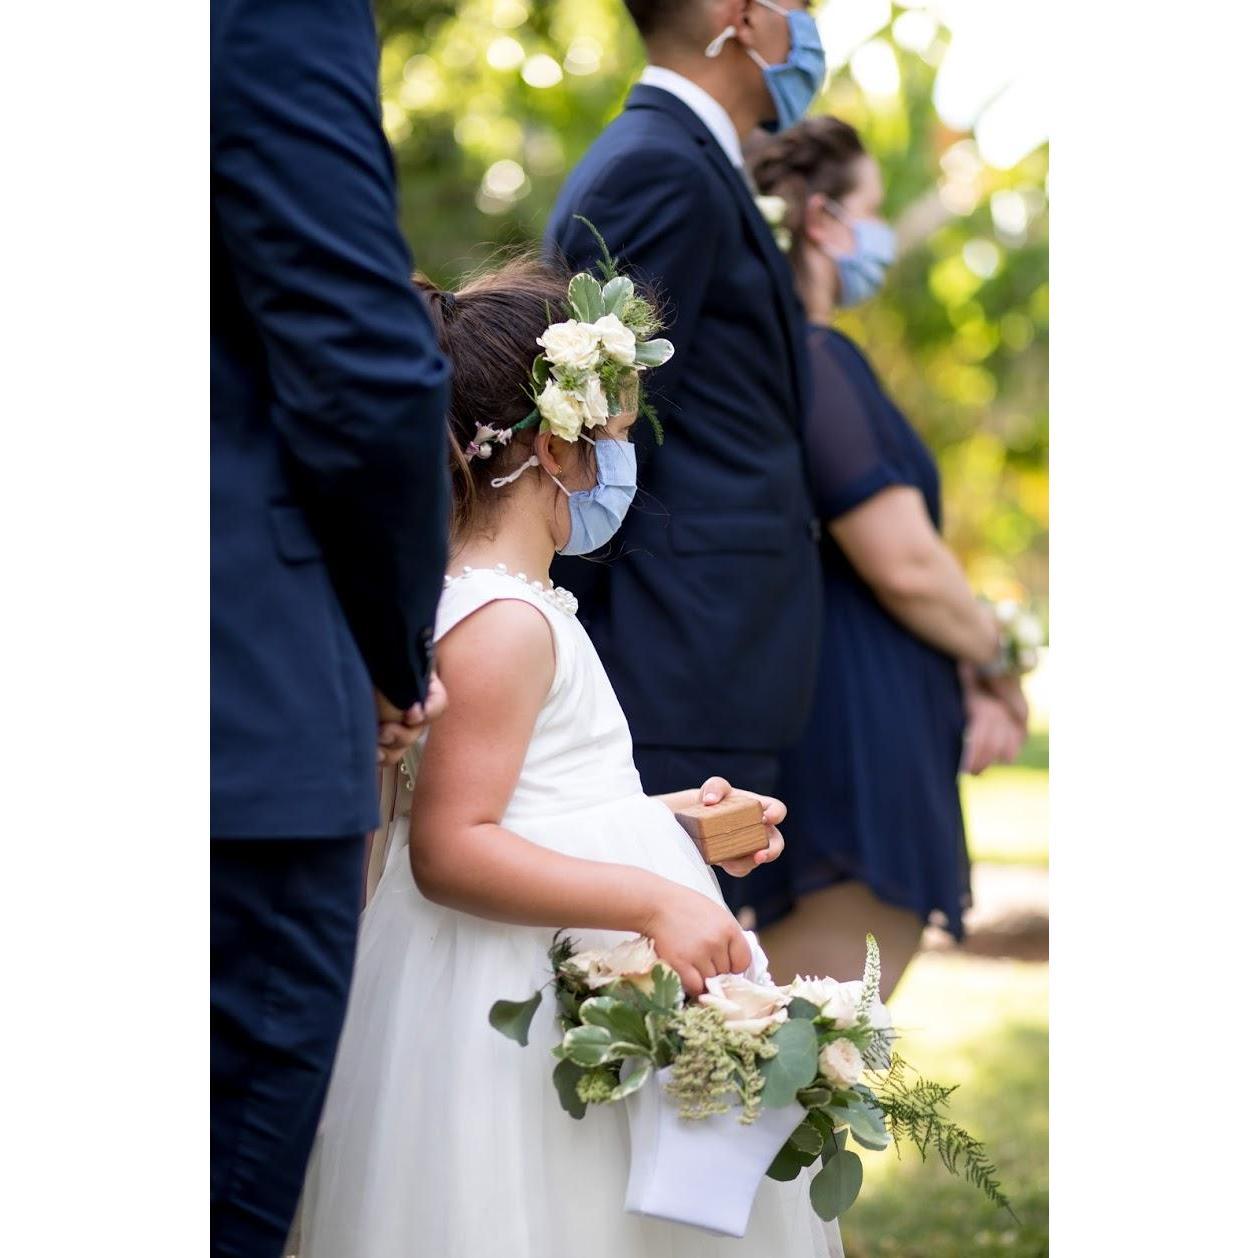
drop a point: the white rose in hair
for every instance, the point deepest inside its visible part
(594, 402)
(618, 341)
(570, 344)
(745, 1006)
(842, 1063)
(629, 962)
(562, 411)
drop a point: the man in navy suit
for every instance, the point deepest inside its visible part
(328, 544)
(707, 618)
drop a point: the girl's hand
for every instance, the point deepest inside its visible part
(698, 937)
(716, 789)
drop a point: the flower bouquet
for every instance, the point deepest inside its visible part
(750, 1079)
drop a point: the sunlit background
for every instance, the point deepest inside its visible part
(488, 104)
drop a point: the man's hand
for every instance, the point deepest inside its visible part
(716, 789)
(402, 730)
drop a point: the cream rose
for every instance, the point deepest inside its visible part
(570, 344)
(593, 403)
(563, 411)
(617, 340)
(746, 1006)
(842, 1063)
(835, 1000)
(630, 962)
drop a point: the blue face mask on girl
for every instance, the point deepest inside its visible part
(597, 513)
(863, 271)
(794, 84)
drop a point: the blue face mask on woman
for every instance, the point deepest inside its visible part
(597, 513)
(863, 271)
(794, 84)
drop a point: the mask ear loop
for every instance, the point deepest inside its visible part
(717, 45)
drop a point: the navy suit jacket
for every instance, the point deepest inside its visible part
(328, 487)
(708, 614)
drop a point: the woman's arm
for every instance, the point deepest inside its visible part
(893, 545)
(498, 667)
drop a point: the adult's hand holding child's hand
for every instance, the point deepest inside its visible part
(400, 730)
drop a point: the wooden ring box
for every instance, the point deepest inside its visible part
(725, 831)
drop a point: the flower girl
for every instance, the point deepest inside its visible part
(440, 1138)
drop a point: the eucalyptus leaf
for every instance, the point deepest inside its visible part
(588, 1045)
(801, 1008)
(795, 1065)
(514, 1017)
(541, 371)
(836, 1185)
(615, 293)
(632, 1079)
(788, 1163)
(586, 297)
(867, 1126)
(565, 1077)
(653, 353)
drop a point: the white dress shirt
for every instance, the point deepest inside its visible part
(710, 112)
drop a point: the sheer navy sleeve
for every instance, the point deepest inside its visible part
(851, 456)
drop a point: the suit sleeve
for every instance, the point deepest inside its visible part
(659, 218)
(304, 200)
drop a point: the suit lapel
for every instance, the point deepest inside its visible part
(785, 298)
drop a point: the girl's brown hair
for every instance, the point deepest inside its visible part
(489, 331)
(817, 155)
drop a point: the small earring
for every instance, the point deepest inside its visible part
(715, 47)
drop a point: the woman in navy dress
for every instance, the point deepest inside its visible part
(906, 695)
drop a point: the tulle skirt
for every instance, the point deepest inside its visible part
(443, 1139)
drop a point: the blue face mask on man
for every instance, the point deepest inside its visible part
(597, 513)
(863, 271)
(794, 84)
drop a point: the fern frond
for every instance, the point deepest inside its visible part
(607, 263)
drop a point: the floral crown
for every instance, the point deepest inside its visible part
(588, 359)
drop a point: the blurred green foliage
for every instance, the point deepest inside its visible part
(490, 102)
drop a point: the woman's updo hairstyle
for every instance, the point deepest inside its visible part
(489, 331)
(816, 155)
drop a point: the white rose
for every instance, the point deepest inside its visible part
(617, 340)
(1027, 630)
(745, 1006)
(773, 208)
(835, 1000)
(570, 344)
(561, 410)
(841, 1063)
(593, 403)
(630, 962)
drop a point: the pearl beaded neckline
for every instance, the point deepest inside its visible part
(554, 594)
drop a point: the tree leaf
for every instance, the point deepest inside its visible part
(513, 1017)
(801, 1008)
(619, 1018)
(633, 1079)
(795, 1065)
(615, 293)
(653, 353)
(586, 297)
(588, 1045)
(836, 1185)
(807, 1139)
(565, 1077)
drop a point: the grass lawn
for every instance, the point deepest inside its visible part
(983, 1024)
(1006, 808)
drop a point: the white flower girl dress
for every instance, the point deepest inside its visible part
(440, 1137)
